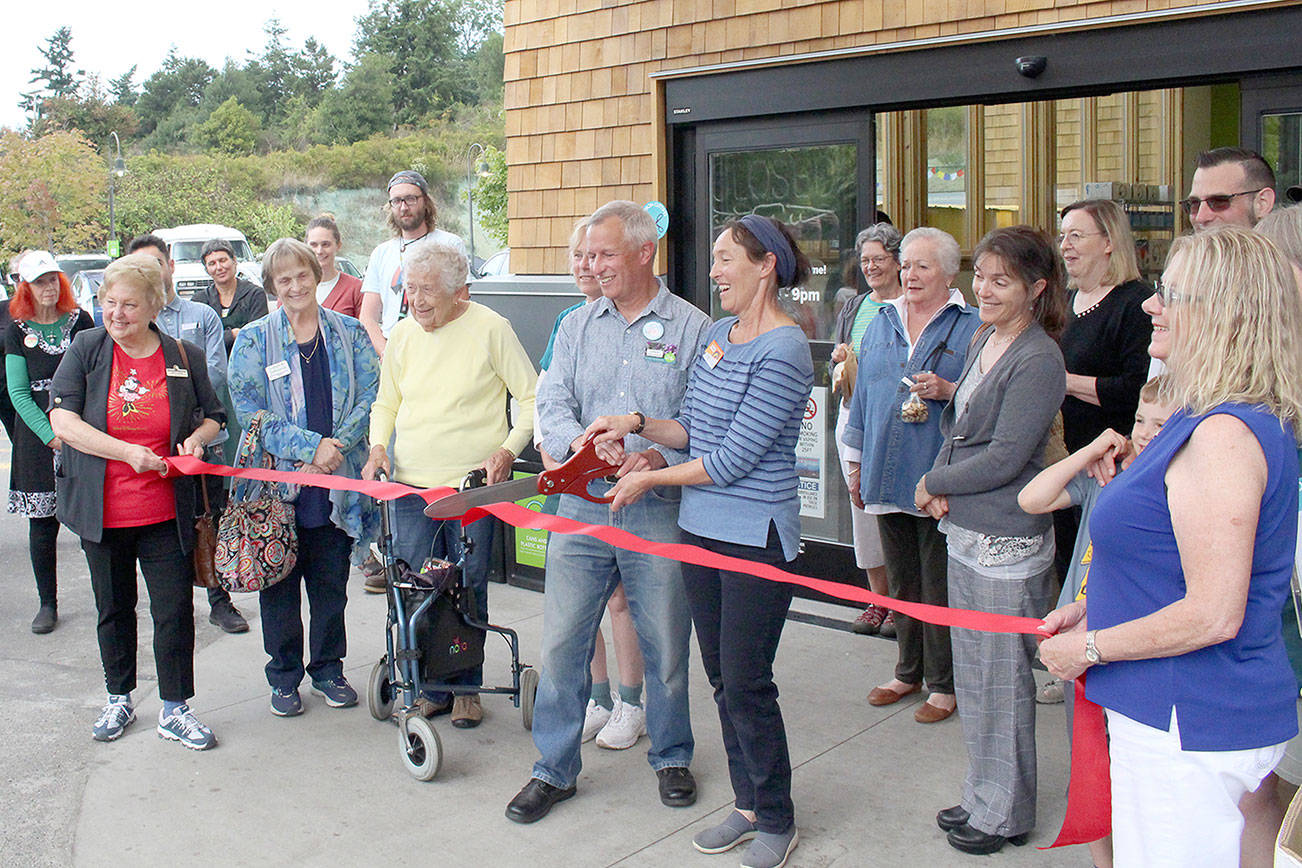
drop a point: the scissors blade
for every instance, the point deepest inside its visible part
(458, 504)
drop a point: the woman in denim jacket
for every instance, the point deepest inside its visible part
(915, 347)
(312, 374)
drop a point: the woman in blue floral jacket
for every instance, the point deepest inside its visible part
(312, 374)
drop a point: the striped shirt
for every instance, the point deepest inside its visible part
(742, 415)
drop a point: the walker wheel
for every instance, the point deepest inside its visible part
(379, 691)
(422, 752)
(528, 693)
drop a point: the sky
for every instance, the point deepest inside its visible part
(107, 39)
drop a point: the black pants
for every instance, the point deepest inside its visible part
(42, 535)
(322, 567)
(169, 578)
(739, 621)
(917, 559)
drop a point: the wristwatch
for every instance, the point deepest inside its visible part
(1091, 650)
(641, 423)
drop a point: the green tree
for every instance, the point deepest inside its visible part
(361, 106)
(51, 192)
(314, 71)
(90, 112)
(123, 89)
(57, 77)
(230, 129)
(179, 83)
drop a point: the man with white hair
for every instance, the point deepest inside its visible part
(629, 350)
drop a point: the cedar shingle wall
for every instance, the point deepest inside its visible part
(580, 109)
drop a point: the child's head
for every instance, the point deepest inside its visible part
(1151, 414)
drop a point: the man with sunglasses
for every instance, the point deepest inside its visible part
(412, 216)
(1231, 187)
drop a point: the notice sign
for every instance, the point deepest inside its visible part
(531, 545)
(811, 450)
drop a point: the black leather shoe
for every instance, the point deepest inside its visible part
(45, 620)
(533, 802)
(677, 786)
(979, 843)
(952, 818)
(228, 617)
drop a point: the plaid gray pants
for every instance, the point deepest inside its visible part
(995, 691)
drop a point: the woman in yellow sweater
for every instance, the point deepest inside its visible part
(447, 371)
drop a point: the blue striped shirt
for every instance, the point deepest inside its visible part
(742, 417)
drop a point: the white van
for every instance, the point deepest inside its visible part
(186, 242)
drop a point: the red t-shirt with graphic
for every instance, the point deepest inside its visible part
(138, 412)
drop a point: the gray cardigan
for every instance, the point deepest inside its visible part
(998, 445)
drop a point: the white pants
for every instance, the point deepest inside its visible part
(1178, 807)
(867, 540)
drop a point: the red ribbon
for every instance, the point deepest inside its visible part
(1087, 812)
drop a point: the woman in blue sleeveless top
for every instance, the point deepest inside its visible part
(1193, 552)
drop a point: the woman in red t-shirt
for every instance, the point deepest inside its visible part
(336, 290)
(124, 396)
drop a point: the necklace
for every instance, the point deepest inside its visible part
(316, 342)
(1000, 340)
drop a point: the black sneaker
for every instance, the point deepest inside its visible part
(337, 691)
(226, 616)
(286, 703)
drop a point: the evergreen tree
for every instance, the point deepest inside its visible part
(57, 77)
(123, 88)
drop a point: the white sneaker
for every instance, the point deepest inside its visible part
(625, 727)
(594, 719)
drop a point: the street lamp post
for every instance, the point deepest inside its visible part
(470, 192)
(119, 169)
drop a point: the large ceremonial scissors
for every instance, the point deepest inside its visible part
(572, 477)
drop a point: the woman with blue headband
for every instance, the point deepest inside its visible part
(739, 421)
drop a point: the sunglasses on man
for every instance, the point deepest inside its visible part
(1217, 203)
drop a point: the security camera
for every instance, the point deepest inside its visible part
(1032, 65)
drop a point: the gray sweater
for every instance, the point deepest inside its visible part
(998, 445)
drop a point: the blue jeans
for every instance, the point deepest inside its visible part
(416, 537)
(582, 573)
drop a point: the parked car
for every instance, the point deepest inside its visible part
(73, 263)
(186, 242)
(497, 265)
(344, 264)
(85, 288)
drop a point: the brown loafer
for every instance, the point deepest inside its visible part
(466, 711)
(928, 713)
(886, 696)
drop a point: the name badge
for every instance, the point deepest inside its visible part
(177, 371)
(189, 326)
(663, 353)
(278, 370)
(713, 353)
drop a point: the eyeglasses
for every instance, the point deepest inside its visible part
(1169, 296)
(403, 201)
(1217, 203)
(1075, 236)
(877, 260)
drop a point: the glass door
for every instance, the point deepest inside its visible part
(820, 181)
(1271, 124)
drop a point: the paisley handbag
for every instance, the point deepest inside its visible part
(257, 544)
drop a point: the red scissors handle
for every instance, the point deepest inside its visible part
(573, 476)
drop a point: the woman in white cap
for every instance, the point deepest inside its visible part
(45, 317)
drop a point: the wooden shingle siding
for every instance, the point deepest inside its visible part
(581, 122)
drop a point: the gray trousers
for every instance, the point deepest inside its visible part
(996, 698)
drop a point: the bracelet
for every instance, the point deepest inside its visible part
(641, 423)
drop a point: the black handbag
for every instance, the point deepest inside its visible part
(448, 645)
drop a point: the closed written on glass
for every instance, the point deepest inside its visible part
(813, 190)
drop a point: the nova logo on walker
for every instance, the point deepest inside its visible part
(458, 645)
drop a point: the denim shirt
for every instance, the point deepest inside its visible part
(894, 453)
(285, 435)
(199, 324)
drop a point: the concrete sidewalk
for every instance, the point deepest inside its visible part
(329, 787)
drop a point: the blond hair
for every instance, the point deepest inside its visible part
(1123, 264)
(579, 234)
(1151, 392)
(142, 272)
(1236, 337)
(1284, 227)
